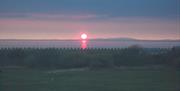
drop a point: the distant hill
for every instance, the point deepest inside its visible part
(132, 39)
(116, 39)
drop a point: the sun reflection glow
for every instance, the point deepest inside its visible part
(83, 44)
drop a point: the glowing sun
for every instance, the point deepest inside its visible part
(83, 36)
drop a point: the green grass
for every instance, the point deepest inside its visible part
(99, 80)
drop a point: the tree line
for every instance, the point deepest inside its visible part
(91, 57)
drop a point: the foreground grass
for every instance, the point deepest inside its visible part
(86, 80)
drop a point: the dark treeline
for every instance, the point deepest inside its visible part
(92, 58)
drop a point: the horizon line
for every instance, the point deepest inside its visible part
(124, 39)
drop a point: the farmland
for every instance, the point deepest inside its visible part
(87, 80)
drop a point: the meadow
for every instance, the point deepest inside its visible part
(88, 80)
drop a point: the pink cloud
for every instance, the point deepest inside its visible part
(79, 16)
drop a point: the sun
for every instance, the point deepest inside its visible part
(83, 36)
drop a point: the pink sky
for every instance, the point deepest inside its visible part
(70, 27)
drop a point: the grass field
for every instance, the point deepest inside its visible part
(88, 80)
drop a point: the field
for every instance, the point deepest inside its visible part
(89, 80)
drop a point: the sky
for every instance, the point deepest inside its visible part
(67, 19)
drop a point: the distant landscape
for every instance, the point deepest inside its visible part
(92, 43)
